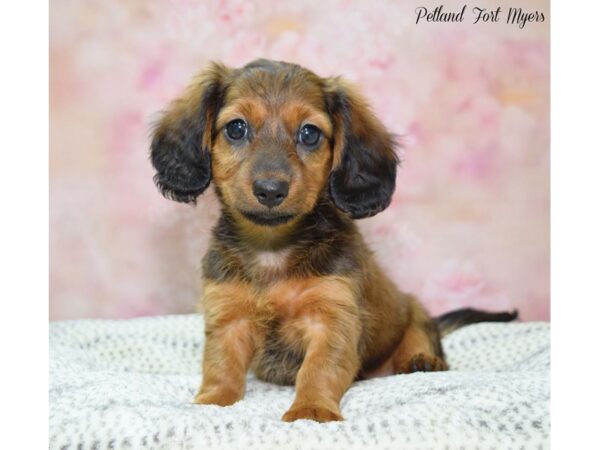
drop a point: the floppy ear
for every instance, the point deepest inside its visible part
(181, 141)
(363, 178)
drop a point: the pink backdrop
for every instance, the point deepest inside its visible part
(469, 223)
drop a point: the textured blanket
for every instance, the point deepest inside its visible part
(129, 384)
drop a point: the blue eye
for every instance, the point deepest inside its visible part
(236, 129)
(309, 135)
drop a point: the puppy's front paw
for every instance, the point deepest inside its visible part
(221, 397)
(427, 363)
(316, 413)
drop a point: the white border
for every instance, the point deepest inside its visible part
(24, 234)
(575, 270)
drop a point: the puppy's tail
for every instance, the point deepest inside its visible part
(453, 320)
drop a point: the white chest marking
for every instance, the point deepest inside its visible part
(272, 261)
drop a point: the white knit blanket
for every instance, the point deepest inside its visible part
(129, 384)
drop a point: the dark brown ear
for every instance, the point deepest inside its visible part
(182, 139)
(363, 178)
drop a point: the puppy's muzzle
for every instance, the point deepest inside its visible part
(270, 192)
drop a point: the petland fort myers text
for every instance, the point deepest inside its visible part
(511, 16)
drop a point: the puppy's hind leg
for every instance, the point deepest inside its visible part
(420, 350)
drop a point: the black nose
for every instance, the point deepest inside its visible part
(270, 192)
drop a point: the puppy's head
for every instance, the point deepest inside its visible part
(274, 137)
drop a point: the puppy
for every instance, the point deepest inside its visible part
(291, 290)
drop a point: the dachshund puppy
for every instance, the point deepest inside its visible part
(290, 288)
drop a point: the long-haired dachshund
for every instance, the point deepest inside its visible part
(290, 287)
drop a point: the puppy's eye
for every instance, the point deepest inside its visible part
(236, 129)
(309, 135)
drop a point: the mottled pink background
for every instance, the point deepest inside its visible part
(469, 223)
